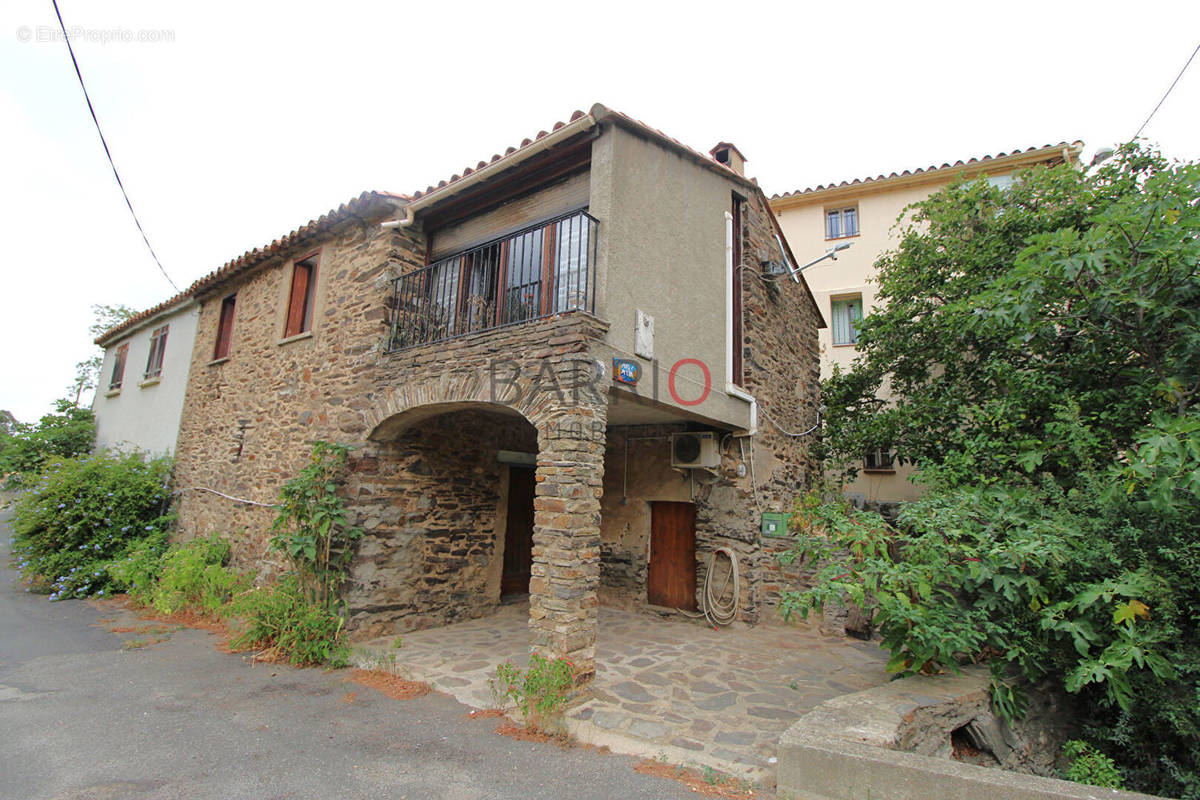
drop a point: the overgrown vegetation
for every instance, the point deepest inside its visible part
(312, 528)
(84, 513)
(96, 526)
(192, 576)
(1041, 346)
(283, 621)
(540, 692)
(25, 449)
(1089, 765)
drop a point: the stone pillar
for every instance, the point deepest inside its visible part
(566, 536)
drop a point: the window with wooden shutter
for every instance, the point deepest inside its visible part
(158, 347)
(118, 372)
(225, 328)
(300, 300)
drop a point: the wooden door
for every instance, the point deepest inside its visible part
(518, 533)
(671, 581)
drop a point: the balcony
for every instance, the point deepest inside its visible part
(540, 271)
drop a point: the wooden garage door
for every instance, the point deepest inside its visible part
(672, 575)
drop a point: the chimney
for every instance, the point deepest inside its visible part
(728, 154)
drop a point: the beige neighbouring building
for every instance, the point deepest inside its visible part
(862, 213)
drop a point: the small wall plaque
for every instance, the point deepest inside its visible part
(626, 371)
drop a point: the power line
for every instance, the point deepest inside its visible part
(1165, 96)
(107, 152)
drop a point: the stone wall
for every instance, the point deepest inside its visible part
(431, 505)
(782, 369)
(633, 479)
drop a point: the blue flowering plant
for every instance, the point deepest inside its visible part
(85, 513)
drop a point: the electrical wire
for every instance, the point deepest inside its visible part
(1168, 92)
(226, 496)
(781, 429)
(107, 152)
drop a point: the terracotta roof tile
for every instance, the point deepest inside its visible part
(922, 170)
(140, 317)
(258, 255)
(354, 207)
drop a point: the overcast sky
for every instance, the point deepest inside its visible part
(246, 119)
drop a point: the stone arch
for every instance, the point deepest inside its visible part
(413, 401)
(569, 480)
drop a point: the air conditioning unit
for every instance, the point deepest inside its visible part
(698, 450)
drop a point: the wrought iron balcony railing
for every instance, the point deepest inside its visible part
(537, 272)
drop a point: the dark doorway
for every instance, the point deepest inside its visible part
(671, 581)
(518, 533)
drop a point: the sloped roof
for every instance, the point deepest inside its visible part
(373, 200)
(136, 320)
(981, 161)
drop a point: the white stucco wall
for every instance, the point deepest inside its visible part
(142, 414)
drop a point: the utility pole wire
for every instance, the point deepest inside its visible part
(1165, 96)
(107, 152)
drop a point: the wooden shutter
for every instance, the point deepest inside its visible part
(225, 327)
(299, 314)
(118, 373)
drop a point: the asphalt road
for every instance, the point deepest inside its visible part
(80, 717)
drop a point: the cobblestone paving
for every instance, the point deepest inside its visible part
(665, 687)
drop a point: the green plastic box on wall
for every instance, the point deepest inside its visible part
(775, 523)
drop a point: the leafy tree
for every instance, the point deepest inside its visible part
(67, 432)
(87, 372)
(1041, 348)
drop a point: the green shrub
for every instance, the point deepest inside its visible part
(68, 433)
(1088, 765)
(539, 692)
(312, 528)
(281, 618)
(194, 576)
(136, 573)
(84, 513)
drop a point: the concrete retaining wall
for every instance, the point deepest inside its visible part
(893, 742)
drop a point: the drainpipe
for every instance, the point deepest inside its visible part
(581, 125)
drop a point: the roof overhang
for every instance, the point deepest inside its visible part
(1059, 153)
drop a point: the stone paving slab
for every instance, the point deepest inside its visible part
(667, 687)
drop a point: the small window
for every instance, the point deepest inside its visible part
(847, 312)
(841, 222)
(300, 301)
(118, 371)
(158, 346)
(1002, 182)
(225, 328)
(879, 460)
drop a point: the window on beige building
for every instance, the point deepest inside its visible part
(841, 222)
(118, 371)
(158, 347)
(846, 314)
(879, 460)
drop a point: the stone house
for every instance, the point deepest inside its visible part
(144, 376)
(583, 370)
